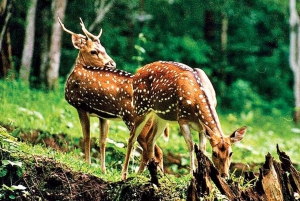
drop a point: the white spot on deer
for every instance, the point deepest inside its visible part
(189, 102)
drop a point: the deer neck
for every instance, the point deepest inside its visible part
(80, 60)
(104, 92)
(207, 113)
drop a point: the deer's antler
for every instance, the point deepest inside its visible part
(64, 28)
(88, 34)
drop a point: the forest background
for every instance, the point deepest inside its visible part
(243, 46)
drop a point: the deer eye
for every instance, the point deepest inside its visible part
(230, 154)
(215, 154)
(93, 52)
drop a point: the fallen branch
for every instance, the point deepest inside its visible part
(277, 180)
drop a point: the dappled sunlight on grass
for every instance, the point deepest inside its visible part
(48, 111)
(264, 132)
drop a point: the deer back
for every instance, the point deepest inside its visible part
(174, 91)
(104, 92)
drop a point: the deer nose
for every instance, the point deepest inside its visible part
(111, 64)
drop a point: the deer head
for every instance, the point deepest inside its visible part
(91, 52)
(222, 148)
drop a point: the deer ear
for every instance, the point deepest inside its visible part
(78, 40)
(238, 134)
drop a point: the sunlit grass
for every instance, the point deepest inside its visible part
(34, 109)
(264, 132)
(29, 109)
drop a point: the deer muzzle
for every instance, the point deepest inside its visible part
(111, 64)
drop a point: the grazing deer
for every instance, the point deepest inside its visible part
(174, 92)
(96, 88)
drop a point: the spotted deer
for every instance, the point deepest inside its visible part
(174, 92)
(96, 88)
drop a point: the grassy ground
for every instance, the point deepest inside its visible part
(48, 111)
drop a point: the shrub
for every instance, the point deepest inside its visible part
(240, 96)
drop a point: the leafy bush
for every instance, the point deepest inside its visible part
(240, 96)
(10, 170)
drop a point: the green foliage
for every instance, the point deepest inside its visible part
(6, 138)
(12, 192)
(185, 31)
(240, 96)
(10, 171)
(140, 50)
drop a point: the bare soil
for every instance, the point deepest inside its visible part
(46, 179)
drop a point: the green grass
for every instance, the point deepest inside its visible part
(29, 109)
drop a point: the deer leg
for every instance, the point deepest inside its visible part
(135, 131)
(185, 129)
(103, 126)
(154, 152)
(159, 157)
(85, 126)
(202, 142)
(142, 140)
(158, 152)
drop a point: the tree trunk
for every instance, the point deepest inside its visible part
(44, 45)
(27, 54)
(277, 181)
(4, 17)
(103, 8)
(5, 45)
(209, 26)
(295, 56)
(52, 73)
(6, 69)
(3, 4)
(224, 33)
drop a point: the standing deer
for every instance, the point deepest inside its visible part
(96, 88)
(174, 92)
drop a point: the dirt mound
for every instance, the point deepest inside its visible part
(46, 179)
(49, 180)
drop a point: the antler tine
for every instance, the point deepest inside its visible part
(99, 35)
(64, 28)
(87, 33)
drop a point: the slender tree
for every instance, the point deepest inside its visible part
(29, 43)
(5, 45)
(295, 55)
(52, 73)
(102, 7)
(44, 44)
